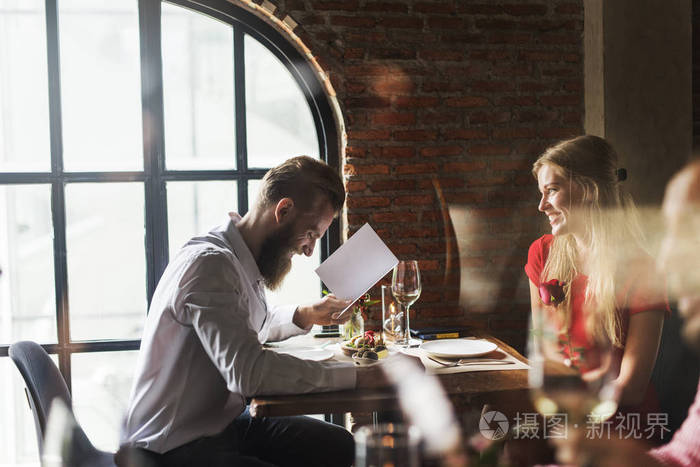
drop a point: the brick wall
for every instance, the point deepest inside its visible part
(452, 101)
(696, 76)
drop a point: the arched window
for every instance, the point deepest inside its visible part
(125, 128)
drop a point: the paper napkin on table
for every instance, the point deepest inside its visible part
(357, 265)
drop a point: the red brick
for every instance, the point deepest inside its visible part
(481, 9)
(443, 182)
(489, 117)
(493, 86)
(568, 99)
(353, 87)
(392, 185)
(369, 135)
(384, 7)
(467, 101)
(569, 8)
(398, 151)
(393, 53)
(402, 248)
(353, 21)
(367, 102)
(428, 265)
(416, 169)
(353, 53)
(353, 169)
(525, 9)
(517, 100)
(367, 202)
(413, 200)
(534, 86)
(434, 151)
(440, 22)
(393, 86)
(434, 7)
(402, 22)
(559, 133)
(466, 133)
(395, 216)
(514, 133)
(488, 181)
(346, 5)
(489, 149)
(410, 101)
(441, 55)
(464, 166)
(464, 197)
(510, 38)
(413, 232)
(355, 185)
(354, 151)
(443, 86)
(523, 164)
(357, 219)
(394, 118)
(415, 135)
(432, 296)
(366, 70)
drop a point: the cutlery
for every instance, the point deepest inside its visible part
(473, 361)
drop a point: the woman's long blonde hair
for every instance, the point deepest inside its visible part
(613, 233)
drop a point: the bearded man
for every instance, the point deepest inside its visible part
(201, 353)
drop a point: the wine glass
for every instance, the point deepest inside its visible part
(572, 378)
(406, 287)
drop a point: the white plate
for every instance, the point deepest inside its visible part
(458, 348)
(317, 355)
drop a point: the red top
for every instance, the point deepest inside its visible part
(642, 290)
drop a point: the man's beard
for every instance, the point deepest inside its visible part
(274, 260)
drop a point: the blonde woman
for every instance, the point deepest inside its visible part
(611, 291)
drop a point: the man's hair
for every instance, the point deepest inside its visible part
(305, 180)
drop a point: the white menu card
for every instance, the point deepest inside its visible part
(357, 265)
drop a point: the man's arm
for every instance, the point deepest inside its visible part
(210, 300)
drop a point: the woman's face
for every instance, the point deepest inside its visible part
(559, 197)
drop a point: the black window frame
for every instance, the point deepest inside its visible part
(155, 175)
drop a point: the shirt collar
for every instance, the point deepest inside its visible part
(240, 248)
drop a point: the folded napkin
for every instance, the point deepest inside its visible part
(438, 369)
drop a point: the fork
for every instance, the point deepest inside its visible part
(473, 361)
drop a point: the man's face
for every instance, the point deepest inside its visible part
(679, 257)
(296, 234)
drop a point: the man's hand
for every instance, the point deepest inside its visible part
(322, 312)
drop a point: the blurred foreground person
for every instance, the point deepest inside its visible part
(679, 258)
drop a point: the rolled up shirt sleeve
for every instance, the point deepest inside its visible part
(210, 300)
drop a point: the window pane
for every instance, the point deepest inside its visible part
(27, 299)
(101, 388)
(197, 91)
(100, 85)
(279, 120)
(18, 444)
(196, 207)
(106, 260)
(24, 108)
(253, 191)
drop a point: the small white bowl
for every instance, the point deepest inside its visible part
(363, 361)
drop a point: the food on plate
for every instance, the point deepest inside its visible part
(368, 345)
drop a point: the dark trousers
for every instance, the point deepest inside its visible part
(274, 441)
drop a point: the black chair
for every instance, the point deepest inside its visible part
(675, 374)
(44, 384)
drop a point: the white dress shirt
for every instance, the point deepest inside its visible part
(201, 352)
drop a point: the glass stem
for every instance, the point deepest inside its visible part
(408, 325)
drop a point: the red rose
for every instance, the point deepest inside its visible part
(552, 292)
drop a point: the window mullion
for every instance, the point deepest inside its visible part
(156, 220)
(58, 206)
(240, 117)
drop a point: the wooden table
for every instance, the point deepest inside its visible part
(499, 388)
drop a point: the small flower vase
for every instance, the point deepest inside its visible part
(355, 325)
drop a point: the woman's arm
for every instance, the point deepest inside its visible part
(643, 337)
